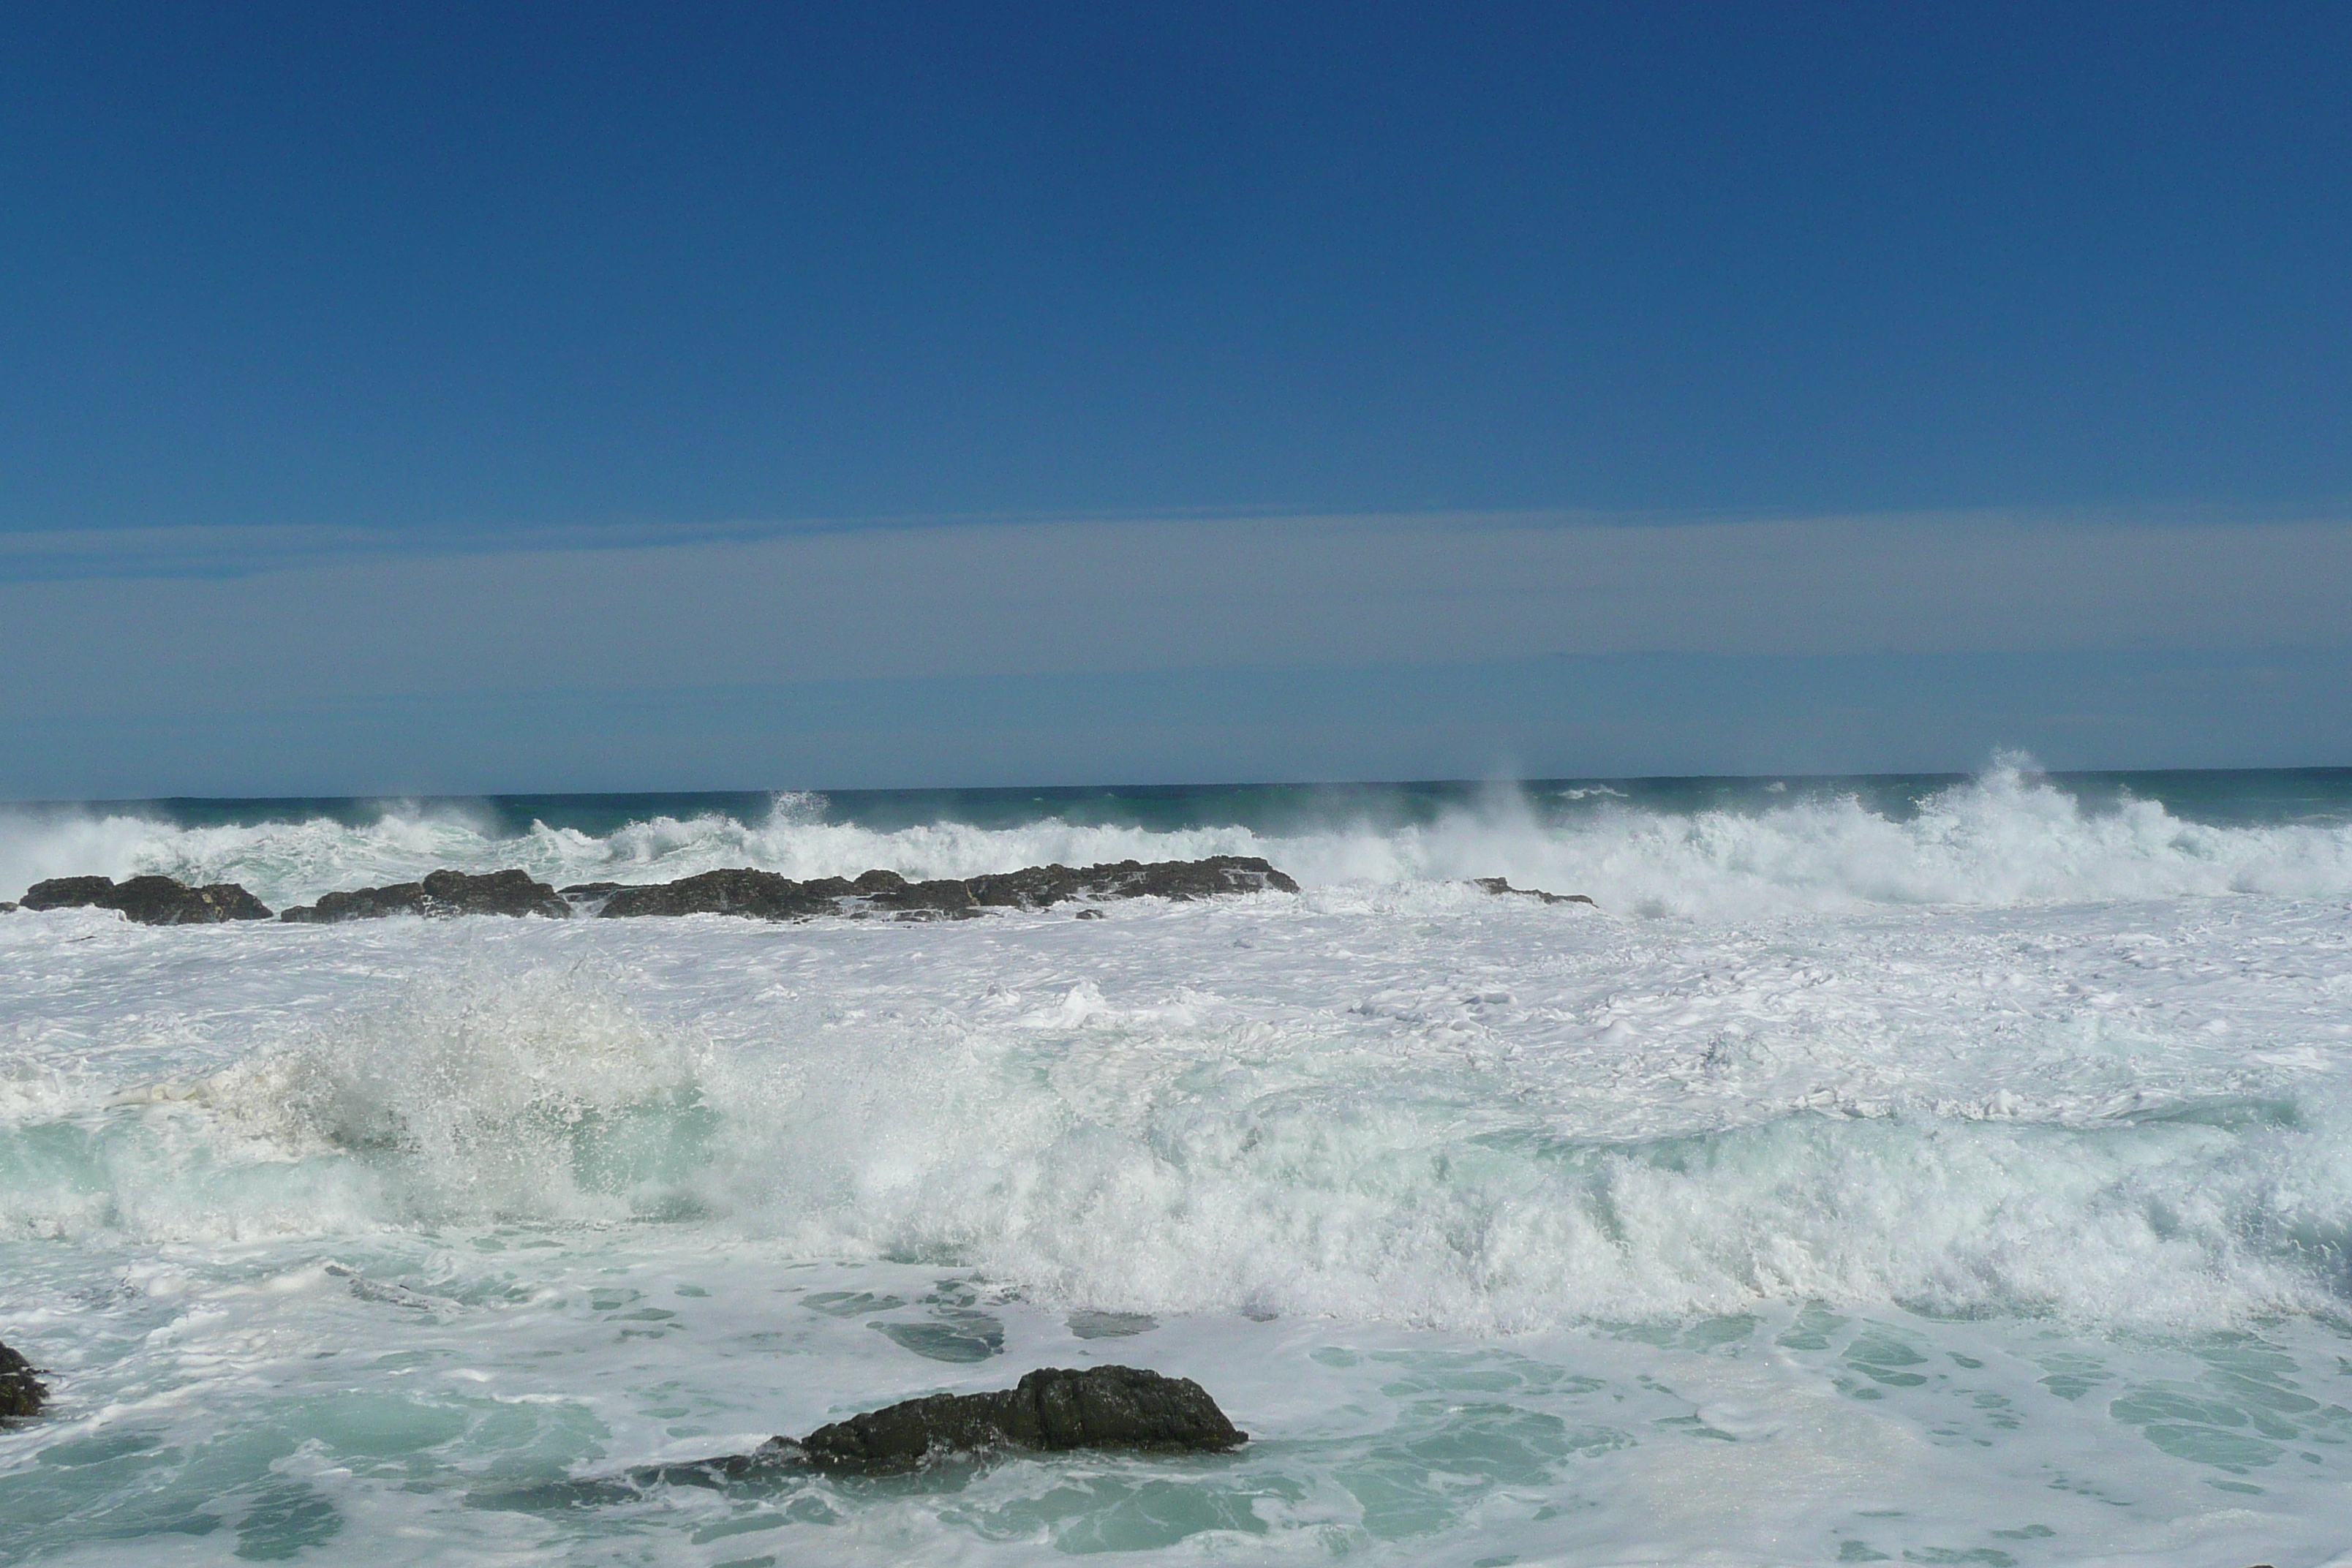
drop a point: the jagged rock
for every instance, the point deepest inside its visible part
(497, 893)
(761, 895)
(150, 900)
(361, 904)
(440, 895)
(1054, 1409)
(21, 1392)
(1500, 886)
(767, 894)
(939, 899)
(1039, 886)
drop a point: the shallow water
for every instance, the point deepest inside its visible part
(1969, 1182)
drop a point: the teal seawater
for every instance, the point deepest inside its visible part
(1908, 1169)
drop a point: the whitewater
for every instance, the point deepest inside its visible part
(1949, 1171)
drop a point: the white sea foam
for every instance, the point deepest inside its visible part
(2006, 837)
(1976, 1186)
(1511, 1148)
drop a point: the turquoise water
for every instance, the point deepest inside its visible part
(1911, 1170)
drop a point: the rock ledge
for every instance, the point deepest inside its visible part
(769, 895)
(150, 900)
(441, 894)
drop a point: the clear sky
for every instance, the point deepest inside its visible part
(580, 396)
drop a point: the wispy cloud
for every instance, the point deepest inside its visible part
(293, 634)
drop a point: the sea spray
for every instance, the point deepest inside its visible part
(1959, 1177)
(2009, 836)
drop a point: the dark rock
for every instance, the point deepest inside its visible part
(1181, 880)
(1052, 1410)
(441, 894)
(361, 904)
(1090, 914)
(761, 895)
(70, 893)
(7, 908)
(1500, 886)
(941, 899)
(150, 900)
(589, 889)
(497, 893)
(21, 1392)
(766, 895)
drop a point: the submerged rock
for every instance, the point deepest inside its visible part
(150, 900)
(1500, 886)
(21, 1392)
(767, 894)
(441, 894)
(1051, 1410)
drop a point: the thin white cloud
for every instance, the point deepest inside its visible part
(1044, 597)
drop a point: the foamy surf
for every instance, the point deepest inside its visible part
(2008, 837)
(1969, 1182)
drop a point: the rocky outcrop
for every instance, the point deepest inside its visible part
(767, 895)
(1500, 886)
(21, 1392)
(759, 895)
(150, 900)
(441, 894)
(1181, 880)
(1051, 1410)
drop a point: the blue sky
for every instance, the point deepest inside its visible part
(463, 398)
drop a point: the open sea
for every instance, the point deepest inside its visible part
(1931, 1170)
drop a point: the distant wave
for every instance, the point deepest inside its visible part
(2007, 837)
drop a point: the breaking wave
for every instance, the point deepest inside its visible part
(1282, 1179)
(2008, 837)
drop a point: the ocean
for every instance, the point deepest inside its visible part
(1942, 1170)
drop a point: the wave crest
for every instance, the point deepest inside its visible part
(2008, 837)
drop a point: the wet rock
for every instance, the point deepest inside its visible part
(1500, 886)
(1181, 881)
(1051, 1410)
(941, 899)
(150, 900)
(766, 895)
(761, 895)
(497, 893)
(21, 1392)
(1091, 915)
(441, 894)
(360, 904)
(7, 908)
(589, 889)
